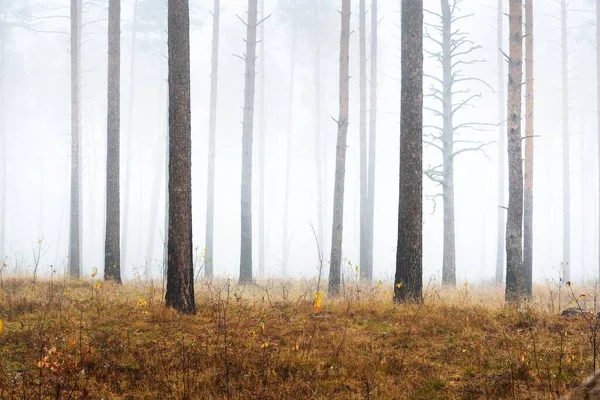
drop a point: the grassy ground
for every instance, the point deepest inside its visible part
(96, 340)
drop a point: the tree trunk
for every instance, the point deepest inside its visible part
(288, 153)
(362, 85)
(180, 275)
(129, 146)
(112, 255)
(372, 142)
(449, 250)
(261, 151)
(340, 159)
(318, 137)
(212, 131)
(154, 201)
(3, 155)
(248, 126)
(501, 152)
(566, 261)
(408, 283)
(598, 115)
(75, 216)
(528, 195)
(514, 222)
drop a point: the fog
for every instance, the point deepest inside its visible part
(36, 87)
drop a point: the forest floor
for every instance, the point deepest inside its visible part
(96, 340)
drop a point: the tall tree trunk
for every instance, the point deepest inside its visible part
(501, 152)
(212, 132)
(288, 153)
(129, 146)
(362, 85)
(261, 150)
(112, 255)
(154, 201)
(449, 252)
(180, 275)
(598, 115)
(3, 154)
(75, 216)
(408, 283)
(372, 141)
(515, 279)
(318, 136)
(566, 261)
(528, 195)
(248, 126)
(340, 158)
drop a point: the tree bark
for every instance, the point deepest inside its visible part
(340, 159)
(112, 255)
(501, 153)
(248, 126)
(288, 153)
(408, 282)
(514, 223)
(261, 150)
(364, 204)
(75, 216)
(372, 142)
(129, 146)
(180, 275)
(529, 143)
(566, 261)
(212, 132)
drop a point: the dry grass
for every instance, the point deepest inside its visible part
(65, 340)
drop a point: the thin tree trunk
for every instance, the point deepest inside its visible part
(248, 126)
(340, 159)
(598, 117)
(129, 146)
(566, 261)
(501, 152)
(288, 153)
(364, 204)
(529, 143)
(318, 137)
(372, 141)
(180, 275)
(112, 255)
(212, 133)
(75, 216)
(408, 283)
(154, 200)
(3, 154)
(514, 223)
(261, 150)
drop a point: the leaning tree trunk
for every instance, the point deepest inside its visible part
(112, 255)
(449, 249)
(129, 146)
(248, 126)
(500, 247)
(212, 132)
(340, 158)
(566, 261)
(372, 142)
(261, 151)
(180, 275)
(75, 216)
(515, 279)
(408, 282)
(362, 62)
(528, 195)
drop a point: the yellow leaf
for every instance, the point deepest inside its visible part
(141, 303)
(264, 345)
(98, 284)
(399, 285)
(1, 327)
(318, 301)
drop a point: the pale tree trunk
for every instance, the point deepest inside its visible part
(500, 247)
(408, 282)
(180, 275)
(212, 133)
(75, 216)
(529, 143)
(372, 141)
(154, 201)
(261, 151)
(288, 152)
(340, 159)
(129, 147)
(449, 249)
(362, 88)
(112, 255)
(598, 115)
(3, 154)
(247, 130)
(318, 137)
(566, 258)
(514, 222)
